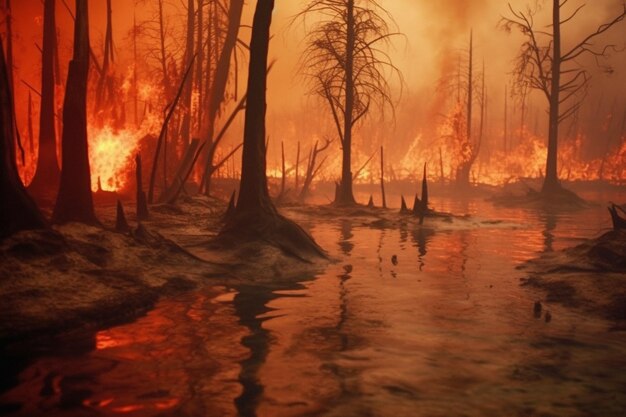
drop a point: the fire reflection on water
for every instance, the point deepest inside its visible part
(444, 327)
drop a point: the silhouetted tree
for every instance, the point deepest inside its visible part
(74, 201)
(220, 81)
(469, 147)
(185, 129)
(17, 210)
(556, 73)
(255, 217)
(47, 173)
(348, 68)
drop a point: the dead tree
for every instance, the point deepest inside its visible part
(345, 63)
(185, 129)
(469, 147)
(104, 90)
(141, 201)
(312, 169)
(163, 133)
(47, 174)
(556, 73)
(255, 217)
(382, 177)
(74, 201)
(17, 210)
(220, 81)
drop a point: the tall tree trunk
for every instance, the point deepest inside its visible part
(74, 201)
(185, 130)
(200, 65)
(17, 210)
(463, 171)
(220, 80)
(255, 217)
(506, 107)
(46, 179)
(345, 195)
(551, 182)
(253, 194)
(104, 81)
(167, 84)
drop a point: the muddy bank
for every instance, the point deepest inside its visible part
(78, 276)
(590, 277)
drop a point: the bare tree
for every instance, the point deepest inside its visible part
(255, 217)
(75, 201)
(217, 95)
(547, 67)
(17, 210)
(348, 67)
(46, 179)
(470, 148)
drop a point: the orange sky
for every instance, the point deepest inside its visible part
(435, 33)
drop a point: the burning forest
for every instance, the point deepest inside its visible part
(313, 207)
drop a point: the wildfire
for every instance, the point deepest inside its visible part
(110, 156)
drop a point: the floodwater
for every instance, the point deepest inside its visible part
(445, 329)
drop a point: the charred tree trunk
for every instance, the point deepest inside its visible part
(199, 77)
(104, 83)
(295, 187)
(220, 81)
(506, 106)
(382, 177)
(284, 170)
(17, 210)
(185, 130)
(345, 195)
(167, 84)
(255, 217)
(142, 202)
(47, 174)
(74, 201)
(551, 181)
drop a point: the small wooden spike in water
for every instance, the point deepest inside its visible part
(619, 223)
(370, 203)
(417, 205)
(121, 225)
(231, 206)
(142, 203)
(403, 207)
(99, 184)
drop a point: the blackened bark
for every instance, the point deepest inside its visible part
(142, 202)
(185, 130)
(403, 207)
(255, 216)
(220, 81)
(17, 210)
(382, 177)
(551, 182)
(121, 225)
(74, 201)
(254, 194)
(345, 195)
(47, 174)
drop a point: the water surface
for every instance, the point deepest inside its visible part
(447, 330)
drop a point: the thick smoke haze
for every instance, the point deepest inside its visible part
(429, 52)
